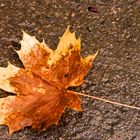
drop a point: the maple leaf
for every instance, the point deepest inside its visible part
(40, 88)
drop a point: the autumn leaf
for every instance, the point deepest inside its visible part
(40, 89)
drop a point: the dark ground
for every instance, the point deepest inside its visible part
(114, 27)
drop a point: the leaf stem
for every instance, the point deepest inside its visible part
(108, 101)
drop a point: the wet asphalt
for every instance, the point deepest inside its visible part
(111, 25)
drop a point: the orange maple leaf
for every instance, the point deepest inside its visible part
(41, 88)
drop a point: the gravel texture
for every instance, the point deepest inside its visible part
(111, 25)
